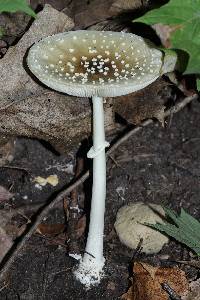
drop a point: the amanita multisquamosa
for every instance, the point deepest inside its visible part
(95, 64)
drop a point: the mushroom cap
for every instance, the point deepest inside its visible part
(94, 63)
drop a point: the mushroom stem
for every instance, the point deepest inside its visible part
(90, 268)
(94, 244)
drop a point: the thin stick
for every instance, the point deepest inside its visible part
(15, 251)
(173, 295)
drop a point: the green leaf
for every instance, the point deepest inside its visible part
(190, 221)
(1, 31)
(184, 18)
(16, 5)
(185, 229)
(198, 84)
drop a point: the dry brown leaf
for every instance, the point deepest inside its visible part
(50, 229)
(5, 195)
(129, 295)
(147, 282)
(144, 104)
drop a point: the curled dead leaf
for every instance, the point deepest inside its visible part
(147, 282)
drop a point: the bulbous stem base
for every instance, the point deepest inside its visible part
(90, 271)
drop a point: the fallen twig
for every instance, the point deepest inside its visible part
(15, 250)
(173, 295)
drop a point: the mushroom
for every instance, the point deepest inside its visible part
(95, 64)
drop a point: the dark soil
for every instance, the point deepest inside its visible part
(168, 174)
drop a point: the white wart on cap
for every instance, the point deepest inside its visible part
(94, 63)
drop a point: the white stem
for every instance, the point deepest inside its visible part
(94, 244)
(90, 268)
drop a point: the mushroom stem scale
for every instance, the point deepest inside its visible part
(91, 265)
